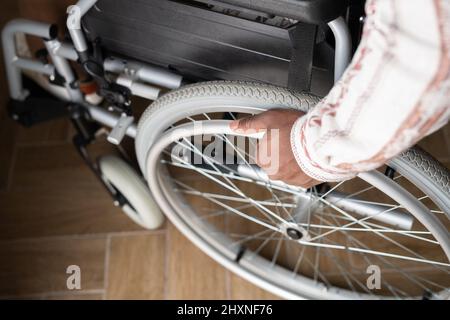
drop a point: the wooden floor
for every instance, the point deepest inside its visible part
(54, 213)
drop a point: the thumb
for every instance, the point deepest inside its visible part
(252, 123)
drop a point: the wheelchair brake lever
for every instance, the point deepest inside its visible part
(118, 132)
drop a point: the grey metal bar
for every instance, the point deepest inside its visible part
(63, 67)
(75, 13)
(392, 217)
(85, 5)
(411, 204)
(29, 27)
(139, 89)
(120, 129)
(109, 119)
(133, 69)
(343, 49)
(33, 65)
(67, 51)
(144, 72)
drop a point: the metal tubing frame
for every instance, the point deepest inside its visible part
(33, 65)
(64, 69)
(138, 89)
(13, 63)
(144, 72)
(134, 70)
(75, 13)
(61, 52)
(65, 50)
(343, 46)
(415, 207)
(109, 119)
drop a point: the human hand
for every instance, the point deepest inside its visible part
(274, 152)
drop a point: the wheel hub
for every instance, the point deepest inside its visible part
(294, 231)
(294, 234)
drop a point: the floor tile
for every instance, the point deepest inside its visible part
(52, 131)
(191, 273)
(53, 167)
(54, 193)
(136, 267)
(39, 266)
(74, 295)
(7, 143)
(46, 191)
(243, 290)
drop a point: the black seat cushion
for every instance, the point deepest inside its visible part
(309, 11)
(203, 44)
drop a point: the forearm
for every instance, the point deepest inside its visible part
(395, 92)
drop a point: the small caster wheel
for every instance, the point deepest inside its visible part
(134, 196)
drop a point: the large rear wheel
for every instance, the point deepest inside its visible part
(322, 243)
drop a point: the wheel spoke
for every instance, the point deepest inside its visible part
(357, 242)
(231, 186)
(319, 255)
(362, 222)
(236, 199)
(240, 213)
(238, 152)
(351, 239)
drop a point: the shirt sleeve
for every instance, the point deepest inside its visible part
(395, 91)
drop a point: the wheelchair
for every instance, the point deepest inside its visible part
(203, 63)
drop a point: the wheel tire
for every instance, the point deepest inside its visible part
(225, 96)
(141, 207)
(418, 166)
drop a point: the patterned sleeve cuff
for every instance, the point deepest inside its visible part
(306, 161)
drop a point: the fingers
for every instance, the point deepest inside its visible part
(273, 152)
(253, 123)
(306, 183)
(265, 120)
(297, 179)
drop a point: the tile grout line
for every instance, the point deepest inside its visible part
(12, 167)
(68, 131)
(106, 266)
(86, 236)
(51, 143)
(47, 133)
(49, 294)
(228, 284)
(166, 263)
(73, 293)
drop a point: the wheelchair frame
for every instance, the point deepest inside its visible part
(141, 79)
(134, 78)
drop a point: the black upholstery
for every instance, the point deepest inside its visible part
(203, 44)
(309, 11)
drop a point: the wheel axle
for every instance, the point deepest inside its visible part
(294, 234)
